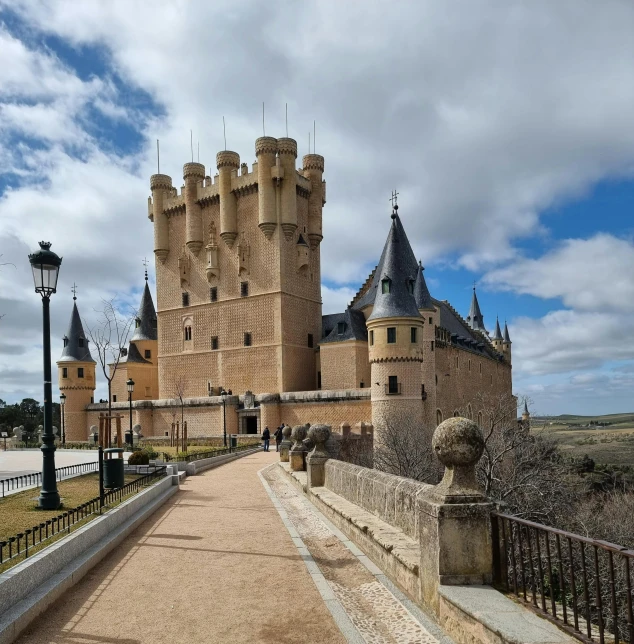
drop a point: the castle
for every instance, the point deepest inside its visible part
(238, 277)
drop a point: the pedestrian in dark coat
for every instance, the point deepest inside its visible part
(266, 437)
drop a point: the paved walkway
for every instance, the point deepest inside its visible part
(237, 555)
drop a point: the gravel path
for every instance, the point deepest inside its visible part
(214, 564)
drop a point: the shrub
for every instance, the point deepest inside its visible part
(150, 452)
(139, 458)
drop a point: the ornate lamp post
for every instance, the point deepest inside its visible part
(223, 395)
(62, 402)
(130, 386)
(45, 266)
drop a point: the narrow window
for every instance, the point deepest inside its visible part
(385, 286)
(457, 363)
(410, 286)
(436, 378)
(310, 340)
(185, 299)
(480, 418)
(319, 380)
(213, 294)
(469, 412)
(114, 398)
(361, 385)
(456, 414)
(393, 387)
(80, 372)
(431, 320)
(341, 328)
(391, 335)
(432, 345)
(65, 341)
(64, 372)
(469, 365)
(188, 333)
(247, 339)
(372, 338)
(80, 342)
(413, 334)
(92, 400)
(438, 417)
(137, 323)
(148, 354)
(214, 343)
(244, 289)
(480, 367)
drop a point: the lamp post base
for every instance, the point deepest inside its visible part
(49, 500)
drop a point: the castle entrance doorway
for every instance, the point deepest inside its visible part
(251, 423)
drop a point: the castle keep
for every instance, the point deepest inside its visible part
(239, 308)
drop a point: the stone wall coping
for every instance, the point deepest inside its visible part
(333, 395)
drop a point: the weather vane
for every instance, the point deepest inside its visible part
(74, 291)
(145, 263)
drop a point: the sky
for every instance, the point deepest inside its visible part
(506, 127)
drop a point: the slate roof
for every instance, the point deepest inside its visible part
(72, 352)
(354, 326)
(134, 355)
(475, 317)
(146, 320)
(507, 338)
(396, 265)
(421, 292)
(498, 334)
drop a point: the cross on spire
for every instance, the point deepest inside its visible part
(74, 291)
(394, 201)
(145, 263)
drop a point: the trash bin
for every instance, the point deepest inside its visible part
(113, 468)
(234, 441)
(128, 438)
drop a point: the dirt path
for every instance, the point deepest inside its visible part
(215, 564)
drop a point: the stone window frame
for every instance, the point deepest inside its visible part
(213, 294)
(148, 354)
(244, 289)
(393, 385)
(386, 286)
(64, 372)
(187, 333)
(413, 334)
(391, 332)
(80, 372)
(372, 338)
(214, 343)
(248, 339)
(185, 298)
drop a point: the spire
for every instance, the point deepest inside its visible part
(526, 408)
(146, 320)
(475, 318)
(506, 333)
(395, 287)
(75, 341)
(498, 334)
(421, 292)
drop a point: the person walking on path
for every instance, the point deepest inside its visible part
(266, 437)
(278, 437)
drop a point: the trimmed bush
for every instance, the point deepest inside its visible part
(139, 458)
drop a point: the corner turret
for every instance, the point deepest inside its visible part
(497, 337)
(506, 343)
(475, 319)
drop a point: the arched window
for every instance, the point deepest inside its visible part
(438, 417)
(456, 414)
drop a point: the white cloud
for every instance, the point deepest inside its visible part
(336, 300)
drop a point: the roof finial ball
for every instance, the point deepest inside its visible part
(458, 443)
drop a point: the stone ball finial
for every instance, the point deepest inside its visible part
(319, 434)
(298, 434)
(286, 432)
(458, 442)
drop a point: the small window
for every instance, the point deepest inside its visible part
(469, 365)
(214, 343)
(154, 323)
(148, 354)
(432, 345)
(185, 299)
(64, 372)
(310, 340)
(436, 378)
(385, 286)
(391, 335)
(480, 367)
(438, 417)
(413, 334)
(372, 338)
(137, 323)
(480, 418)
(341, 328)
(213, 294)
(114, 398)
(410, 286)
(80, 342)
(392, 384)
(65, 341)
(92, 400)
(188, 333)
(456, 414)
(431, 320)
(319, 380)
(80, 372)
(361, 385)
(457, 363)
(247, 339)
(244, 289)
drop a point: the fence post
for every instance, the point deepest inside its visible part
(100, 478)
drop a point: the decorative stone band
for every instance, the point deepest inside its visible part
(243, 191)
(227, 158)
(313, 162)
(88, 387)
(265, 144)
(209, 200)
(160, 181)
(408, 359)
(287, 146)
(194, 170)
(302, 192)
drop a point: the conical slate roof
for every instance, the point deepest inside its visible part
(421, 292)
(525, 407)
(506, 333)
(75, 341)
(475, 318)
(498, 334)
(146, 320)
(397, 267)
(135, 356)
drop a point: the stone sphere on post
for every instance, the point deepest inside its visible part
(319, 434)
(286, 432)
(458, 443)
(298, 434)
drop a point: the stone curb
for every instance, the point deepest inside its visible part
(204, 464)
(29, 588)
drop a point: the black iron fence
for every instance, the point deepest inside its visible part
(583, 585)
(19, 545)
(197, 456)
(27, 480)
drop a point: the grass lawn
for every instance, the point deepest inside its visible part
(19, 511)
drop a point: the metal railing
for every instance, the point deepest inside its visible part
(19, 544)
(583, 585)
(197, 456)
(28, 480)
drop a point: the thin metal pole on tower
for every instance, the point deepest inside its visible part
(224, 131)
(158, 157)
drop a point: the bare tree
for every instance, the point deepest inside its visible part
(109, 336)
(179, 393)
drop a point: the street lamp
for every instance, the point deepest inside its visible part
(130, 386)
(223, 395)
(45, 266)
(62, 402)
